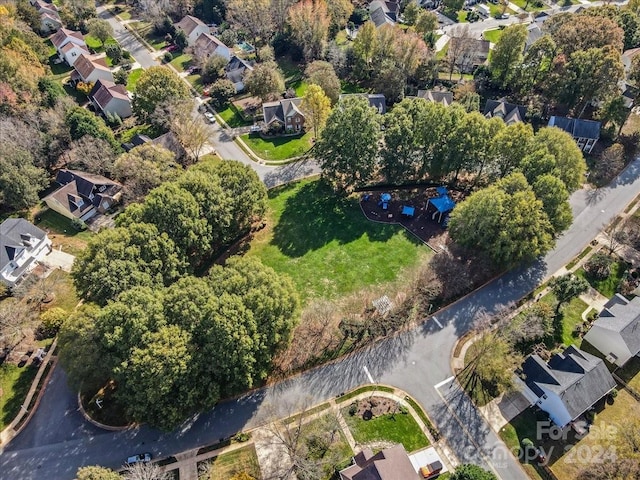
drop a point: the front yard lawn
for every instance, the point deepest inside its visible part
(398, 428)
(532, 6)
(61, 231)
(132, 79)
(493, 35)
(225, 466)
(145, 30)
(278, 148)
(14, 386)
(232, 117)
(521, 427)
(570, 317)
(300, 87)
(181, 61)
(609, 286)
(327, 246)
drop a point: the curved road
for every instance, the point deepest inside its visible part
(57, 440)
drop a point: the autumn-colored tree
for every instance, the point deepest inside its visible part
(252, 19)
(575, 33)
(339, 13)
(316, 107)
(322, 74)
(265, 81)
(309, 22)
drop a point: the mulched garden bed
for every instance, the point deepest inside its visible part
(372, 407)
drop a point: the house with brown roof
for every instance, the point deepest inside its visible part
(49, 17)
(110, 98)
(90, 69)
(82, 195)
(388, 464)
(69, 45)
(207, 45)
(284, 114)
(192, 27)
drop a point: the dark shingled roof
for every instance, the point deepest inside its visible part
(577, 377)
(376, 100)
(281, 110)
(80, 191)
(16, 234)
(577, 127)
(388, 464)
(509, 112)
(436, 96)
(622, 316)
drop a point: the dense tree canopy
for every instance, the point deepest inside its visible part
(155, 86)
(507, 54)
(321, 73)
(265, 81)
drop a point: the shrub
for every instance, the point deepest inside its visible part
(52, 320)
(613, 393)
(114, 52)
(167, 57)
(78, 224)
(241, 437)
(353, 408)
(598, 267)
(526, 443)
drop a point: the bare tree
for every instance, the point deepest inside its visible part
(190, 129)
(461, 49)
(146, 471)
(89, 154)
(15, 316)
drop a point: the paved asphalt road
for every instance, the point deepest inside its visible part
(127, 40)
(57, 441)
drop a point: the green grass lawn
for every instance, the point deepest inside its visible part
(95, 44)
(181, 61)
(61, 231)
(521, 427)
(278, 148)
(77, 95)
(300, 86)
(571, 316)
(531, 7)
(347, 87)
(132, 79)
(339, 452)
(442, 54)
(14, 385)
(496, 10)
(196, 82)
(229, 464)
(327, 246)
(630, 373)
(232, 117)
(59, 69)
(290, 69)
(492, 35)
(398, 428)
(145, 30)
(64, 292)
(609, 286)
(462, 16)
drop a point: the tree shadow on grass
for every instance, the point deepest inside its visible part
(316, 216)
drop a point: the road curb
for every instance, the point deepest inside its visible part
(88, 418)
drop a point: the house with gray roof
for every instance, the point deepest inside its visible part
(616, 332)
(534, 32)
(82, 195)
(510, 113)
(285, 114)
(585, 132)
(566, 386)
(436, 96)
(376, 100)
(389, 464)
(384, 12)
(236, 71)
(22, 245)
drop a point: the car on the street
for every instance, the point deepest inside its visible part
(172, 48)
(210, 116)
(139, 458)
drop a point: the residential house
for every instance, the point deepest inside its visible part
(566, 386)
(376, 100)
(436, 96)
(22, 245)
(171, 143)
(627, 58)
(508, 112)
(137, 140)
(471, 55)
(284, 113)
(585, 132)
(49, 17)
(541, 17)
(90, 69)
(82, 195)
(69, 45)
(236, 71)
(384, 12)
(616, 332)
(192, 27)
(110, 98)
(389, 464)
(207, 45)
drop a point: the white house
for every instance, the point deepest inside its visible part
(69, 45)
(207, 45)
(49, 17)
(192, 27)
(110, 98)
(90, 69)
(616, 332)
(22, 245)
(568, 385)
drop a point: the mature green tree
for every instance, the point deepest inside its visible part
(80, 350)
(537, 63)
(576, 33)
(509, 146)
(213, 68)
(220, 92)
(176, 212)
(365, 46)
(568, 157)
(339, 13)
(390, 81)
(452, 6)
(316, 107)
(348, 147)
(426, 23)
(468, 471)
(155, 86)
(553, 194)
(594, 75)
(252, 19)
(400, 157)
(145, 168)
(118, 259)
(411, 12)
(568, 287)
(265, 81)
(82, 122)
(505, 220)
(630, 24)
(20, 179)
(97, 473)
(469, 143)
(321, 73)
(153, 383)
(99, 28)
(507, 54)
